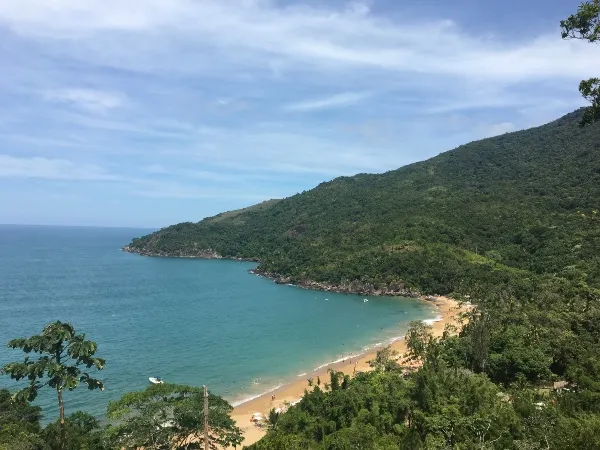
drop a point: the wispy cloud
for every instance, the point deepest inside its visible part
(87, 99)
(194, 174)
(318, 36)
(334, 101)
(51, 169)
(177, 190)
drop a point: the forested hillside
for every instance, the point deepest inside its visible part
(517, 204)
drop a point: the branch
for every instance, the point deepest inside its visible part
(585, 24)
(590, 90)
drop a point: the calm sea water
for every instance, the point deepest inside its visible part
(189, 321)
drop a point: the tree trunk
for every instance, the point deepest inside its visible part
(61, 406)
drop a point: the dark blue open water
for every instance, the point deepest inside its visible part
(188, 321)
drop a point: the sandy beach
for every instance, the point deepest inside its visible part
(449, 311)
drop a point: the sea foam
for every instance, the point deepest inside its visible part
(252, 397)
(432, 321)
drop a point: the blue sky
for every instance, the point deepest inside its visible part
(149, 113)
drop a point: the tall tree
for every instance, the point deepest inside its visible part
(385, 360)
(585, 25)
(418, 338)
(63, 354)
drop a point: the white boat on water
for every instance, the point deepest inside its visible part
(155, 380)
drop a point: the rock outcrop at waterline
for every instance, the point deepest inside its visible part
(199, 254)
(346, 287)
(202, 254)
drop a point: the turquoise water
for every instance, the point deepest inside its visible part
(188, 321)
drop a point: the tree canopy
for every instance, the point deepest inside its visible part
(19, 424)
(170, 416)
(162, 417)
(63, 354)
(585, 25)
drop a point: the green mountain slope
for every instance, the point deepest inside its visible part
(509, 206)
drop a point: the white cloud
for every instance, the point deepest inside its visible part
(334, 101)
(196, 174)
(174, 189)
(306, 151)
(51, 169)
(86, 99)
(161, 34)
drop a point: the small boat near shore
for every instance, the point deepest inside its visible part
(155, 380)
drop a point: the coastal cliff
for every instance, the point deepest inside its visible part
(200, 254)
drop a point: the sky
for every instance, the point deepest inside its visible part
(149, 113)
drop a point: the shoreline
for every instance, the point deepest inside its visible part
(343, 287)
(367, 350)
(293, 391)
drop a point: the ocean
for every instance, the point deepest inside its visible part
(188, 321)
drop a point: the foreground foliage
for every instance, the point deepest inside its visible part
(19, 424)
(585, 25)
(63, 354)
(163, 417)
(170, 416)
